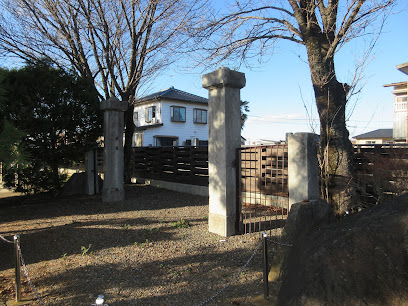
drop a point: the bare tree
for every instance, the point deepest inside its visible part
(120, 44)
(251, 28)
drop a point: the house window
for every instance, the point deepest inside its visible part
(139, 140)
(163, 141)
(178, 114)
(150, 113)
(400, 104)
(136, 118)
(200, 115)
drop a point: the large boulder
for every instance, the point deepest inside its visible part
(77, 184)
(360, 260)
(302, 219)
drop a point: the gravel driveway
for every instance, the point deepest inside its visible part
(136, 252)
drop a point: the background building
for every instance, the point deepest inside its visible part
(171, 117)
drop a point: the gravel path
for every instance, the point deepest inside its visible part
(136, 252)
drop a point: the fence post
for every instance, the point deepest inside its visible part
(113, 155)
(224, 123)
(90, 172)
(265, 265)
(303, 167)
(96, 176)
(17, 267)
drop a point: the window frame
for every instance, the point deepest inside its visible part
(136, 118)
(195, 117)
(147, 114)
(172, 138)
(172, 107)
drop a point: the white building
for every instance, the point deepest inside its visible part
(379, 136)
(400, 106)
(171, 117)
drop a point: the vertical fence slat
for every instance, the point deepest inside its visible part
(263, 187)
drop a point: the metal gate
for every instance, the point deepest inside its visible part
(262, 195)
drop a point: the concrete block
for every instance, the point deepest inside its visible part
(114, 104)
(303, 167)
(222, 225)
(113, 149)
(224, 122)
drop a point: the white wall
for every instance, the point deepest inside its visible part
(373, 141)
(140, 109)
(184, 130)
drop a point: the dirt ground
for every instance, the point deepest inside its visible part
(136, 252)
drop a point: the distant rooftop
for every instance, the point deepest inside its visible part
(396, 84)
(173, 94)
(380, 133)
(403, 68)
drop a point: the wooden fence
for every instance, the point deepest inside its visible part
(188, 165)
(381, 171)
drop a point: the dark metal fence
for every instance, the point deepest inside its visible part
(263, 193)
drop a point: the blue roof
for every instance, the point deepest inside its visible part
(173, 94)
(380, 133)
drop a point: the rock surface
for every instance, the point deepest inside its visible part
(306, 216)
(302, 219)
(359, 260)
(77, 184)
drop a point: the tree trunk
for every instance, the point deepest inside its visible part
(336, 151)
(55, 178)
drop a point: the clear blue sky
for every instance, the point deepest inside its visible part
(279, 91)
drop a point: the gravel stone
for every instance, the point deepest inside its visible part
(132, 252)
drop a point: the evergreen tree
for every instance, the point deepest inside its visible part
(60, 116)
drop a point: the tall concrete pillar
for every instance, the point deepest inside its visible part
(113, 156)
(224, 122)
(303, 167)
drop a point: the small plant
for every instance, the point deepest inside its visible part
(162, 266)
(143, 244)
(154, 230)
(85, 250)
(126, 226)
(64, 256)
(180, 224)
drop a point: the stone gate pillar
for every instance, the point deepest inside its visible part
(224, 121)
(113, 156)
(303, 167)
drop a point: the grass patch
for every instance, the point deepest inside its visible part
(180, 224)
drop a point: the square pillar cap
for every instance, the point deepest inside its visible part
(224, 77)
(114, 104)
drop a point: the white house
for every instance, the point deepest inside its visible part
(170, 117)
(379, 136)
(400, 106)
